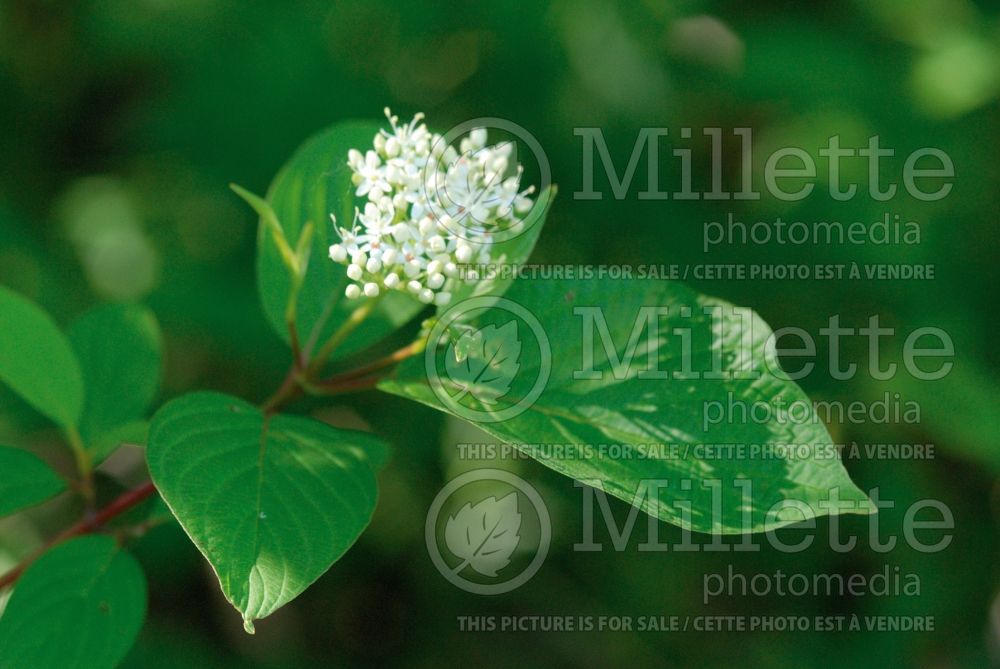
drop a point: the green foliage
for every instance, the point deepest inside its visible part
(271, 501)
(119, 349)
(81, 605)
(26, 480)
(37, 362)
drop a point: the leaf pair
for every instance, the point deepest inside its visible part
(99, 381)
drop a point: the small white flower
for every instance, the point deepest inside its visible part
(371, 289)
(368, 173)
(352, 291)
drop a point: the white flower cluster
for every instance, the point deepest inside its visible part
(420, 193)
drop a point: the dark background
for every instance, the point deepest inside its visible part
(123, 121)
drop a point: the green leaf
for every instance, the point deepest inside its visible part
(134, 433)
(270, 502)
(119, 348)
(315, 183)
(510, 252)
(79, 605)
(576, 414)
(37, 362)
(25, 480)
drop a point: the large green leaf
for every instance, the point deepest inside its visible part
(570, 424)
(37, 361)
(271, 502)
(315, 183)
(25, 480)
(119, 349)
(80, 605)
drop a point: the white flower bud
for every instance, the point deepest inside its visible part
(412, 268)
(373, 265)
(426, 296)
(435, 281)
(354, 272)
(450, 269)
(426, 226)
(435, 267)
(442, 298)
(463, 253)
(389, 256)
(352, 291)
(436, 244)
(478, 137)
(392, 147)
(391, 281)
(338, 253)
(401, 232)
(371, 290)
(414, 287)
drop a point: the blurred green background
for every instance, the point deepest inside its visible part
(124, 121)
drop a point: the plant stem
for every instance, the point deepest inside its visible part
(356, 318)
(293, 338)
(84, 465)
(290, 389)
(88, 524)
(342, 380)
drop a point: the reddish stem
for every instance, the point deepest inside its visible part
(346, 380)
(119, 506)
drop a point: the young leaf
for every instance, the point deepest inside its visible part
(25, 480)
(79, 605)
(134, 433)
(119, 349)
(315, 183)
(271, 502)
(37, 362)
(596, 396)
